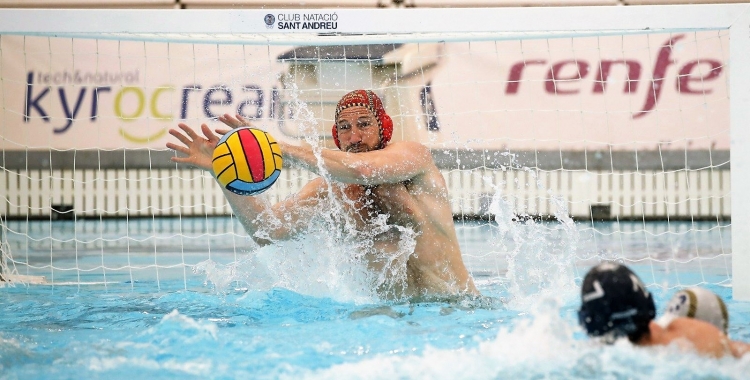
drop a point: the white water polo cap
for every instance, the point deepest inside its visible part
(700, 303)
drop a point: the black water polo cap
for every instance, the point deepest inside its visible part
(615, 303)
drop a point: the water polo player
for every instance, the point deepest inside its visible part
(370, 178)
(699, 303)
(615, 303)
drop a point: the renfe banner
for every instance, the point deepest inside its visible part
(656, 91)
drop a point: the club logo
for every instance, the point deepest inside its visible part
(269, 20)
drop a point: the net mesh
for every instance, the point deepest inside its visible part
(613, 130)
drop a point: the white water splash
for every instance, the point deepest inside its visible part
(543, 345)
(324, 263)
(183, 322)
(540, 254)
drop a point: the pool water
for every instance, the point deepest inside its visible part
(172, 322)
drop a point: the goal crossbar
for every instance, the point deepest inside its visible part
(602, 19)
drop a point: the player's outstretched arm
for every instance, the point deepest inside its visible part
(395, 163)
(290, 217)
(266, 223)
(263, 222)
(197, 151)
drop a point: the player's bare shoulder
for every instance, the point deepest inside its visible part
(430, 180)
(412, 152)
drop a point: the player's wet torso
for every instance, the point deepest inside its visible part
(435, 267)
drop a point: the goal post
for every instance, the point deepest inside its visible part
(740, 133)
(200, 59)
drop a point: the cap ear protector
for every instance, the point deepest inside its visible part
(615, 303)
(367, 99)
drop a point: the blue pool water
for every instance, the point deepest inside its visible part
(143, 314)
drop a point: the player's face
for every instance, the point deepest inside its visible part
(358, 130)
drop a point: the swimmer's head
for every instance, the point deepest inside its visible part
(361, 111)
(615, 303)
(699, 303)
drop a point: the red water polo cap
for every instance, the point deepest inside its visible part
(367, 99)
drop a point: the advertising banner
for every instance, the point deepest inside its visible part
(632, 92)
(650, 92)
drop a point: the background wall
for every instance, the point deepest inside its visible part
(187, 4)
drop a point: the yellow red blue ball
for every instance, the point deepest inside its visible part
(247, 161)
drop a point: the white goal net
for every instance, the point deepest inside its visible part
(622, 120)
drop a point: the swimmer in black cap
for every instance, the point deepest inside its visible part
(615, 303)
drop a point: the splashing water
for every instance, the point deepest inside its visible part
(540, 254)
(322, 263)
(542, 345)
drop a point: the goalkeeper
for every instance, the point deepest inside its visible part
(371, 180)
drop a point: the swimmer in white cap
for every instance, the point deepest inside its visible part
(699, 303)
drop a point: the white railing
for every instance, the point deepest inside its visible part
(685, 194)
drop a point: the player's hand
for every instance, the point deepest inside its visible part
(198, 150)
(232, 122)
